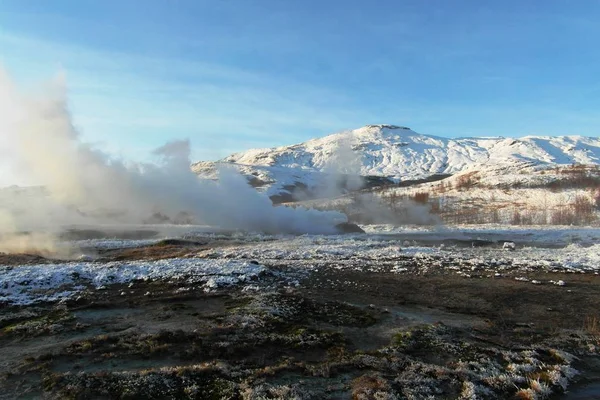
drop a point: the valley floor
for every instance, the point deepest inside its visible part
(405, 313)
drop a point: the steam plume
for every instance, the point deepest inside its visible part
(86, 186)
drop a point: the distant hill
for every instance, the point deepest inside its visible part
(389, 153)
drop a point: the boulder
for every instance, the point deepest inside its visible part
(509, 246)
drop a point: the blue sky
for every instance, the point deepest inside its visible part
(235, 74)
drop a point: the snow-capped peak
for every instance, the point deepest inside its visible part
(399, 153)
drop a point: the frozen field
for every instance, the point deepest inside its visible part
(189, 312)
(467, 251)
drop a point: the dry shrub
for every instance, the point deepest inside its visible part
(580, 212)
(495, 216)
(526, 394)
(582, 206)
(442, 187)
(421, 197)
(467, 181)
(591, 325)
(576, 176)
(562, 217)
(436, 207)
(516, 218)
(575, 169)
(365, 387)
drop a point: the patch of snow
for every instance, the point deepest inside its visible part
(29, 284)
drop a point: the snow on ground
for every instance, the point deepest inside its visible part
(108, 244)
(536, 235)
(541, 235)
(365, 251)
(29, 284)
(415, 250)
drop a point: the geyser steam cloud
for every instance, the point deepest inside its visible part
(86, 186)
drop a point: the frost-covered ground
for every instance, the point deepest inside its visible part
(399, 312)
(405, 250)
(536, 235)
(574, 249)
(563, 248)
(52, 282)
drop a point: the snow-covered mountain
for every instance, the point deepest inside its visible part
(398, 154)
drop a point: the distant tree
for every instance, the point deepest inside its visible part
(516, 218)
(562, 217)
(495, 216)
(421, 197)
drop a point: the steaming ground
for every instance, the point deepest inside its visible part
(199, 254)
(81, 185)
(174, 311)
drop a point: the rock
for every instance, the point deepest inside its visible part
(509, 246)
(348, 227)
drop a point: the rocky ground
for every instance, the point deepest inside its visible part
(376, 322)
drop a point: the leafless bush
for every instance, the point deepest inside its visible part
(516, 218)
(591, 325)
(582, 206)
(366, 387)
(467, 181)
(597, 198)
(562, 217)
(495, 216)
(421, 197)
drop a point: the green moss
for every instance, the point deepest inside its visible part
(402, 339)
(237, 303)
(38, 325)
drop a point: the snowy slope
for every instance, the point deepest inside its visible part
(398, 153)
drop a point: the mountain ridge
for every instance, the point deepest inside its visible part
(398, 153)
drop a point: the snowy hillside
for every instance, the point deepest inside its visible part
(398, 154)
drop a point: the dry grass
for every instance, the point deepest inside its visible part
(366, 386)
(421, 197)
(591, 325)
(467, 180)
(526, 394)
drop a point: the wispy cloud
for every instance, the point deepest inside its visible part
(237, 74)
(132, 99)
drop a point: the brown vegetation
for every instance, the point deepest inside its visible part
(467, 181)
(421, 197)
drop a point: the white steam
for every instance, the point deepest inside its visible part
(86, 186)
(341, 173)
(342, 169)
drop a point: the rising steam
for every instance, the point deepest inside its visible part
(86, 186)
